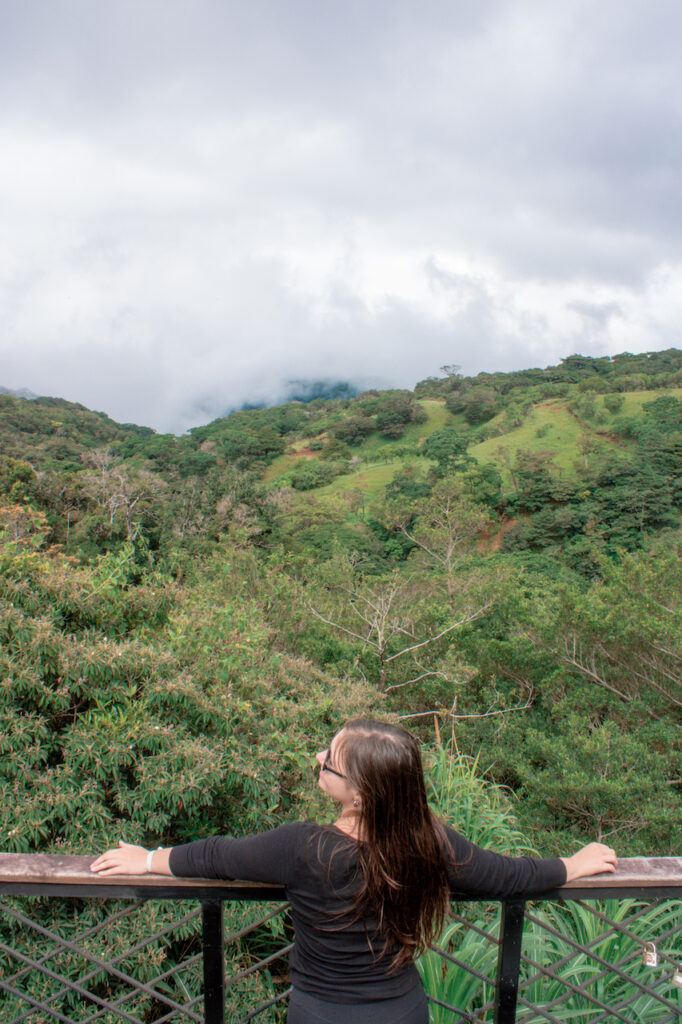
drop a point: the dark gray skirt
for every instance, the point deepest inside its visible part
(412, 1008)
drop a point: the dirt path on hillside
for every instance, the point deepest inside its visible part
(493, 541)
(304, 453)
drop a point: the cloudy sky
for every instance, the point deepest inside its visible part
(201, 200)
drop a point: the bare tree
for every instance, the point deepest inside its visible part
(190, 518)
(444, 528)
(626, 674)
(624, 635)
(383, 616)
(119, 492)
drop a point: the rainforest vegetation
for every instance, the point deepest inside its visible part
(492, 561)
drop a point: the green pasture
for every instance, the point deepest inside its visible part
(371, 479)
(552, 427)
(415, 433)
(374, 447)
(282, 465)
(634, 400)
(549, 427)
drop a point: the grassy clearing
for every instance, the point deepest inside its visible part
(282, 465)
(438, 418)
(374, 446)
(634, 400)
(370, 479)
(415, 434)
(549, 427)
(295, 452)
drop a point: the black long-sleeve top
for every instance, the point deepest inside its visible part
(318, 865)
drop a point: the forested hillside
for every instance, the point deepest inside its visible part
(492, 560)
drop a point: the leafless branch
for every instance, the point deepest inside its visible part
(397, 686)
(422, 545)
(647, 679)
(483, 714)
(336, 625)
(571, 658)
(669, 654)
(462, 622)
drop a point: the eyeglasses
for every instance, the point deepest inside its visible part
(326, 767)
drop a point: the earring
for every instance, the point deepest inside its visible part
(356, 802)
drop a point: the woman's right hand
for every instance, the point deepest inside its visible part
(593, 859)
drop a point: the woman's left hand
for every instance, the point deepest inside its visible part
(125, 860)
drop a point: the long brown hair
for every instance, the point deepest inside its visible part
(403, 854)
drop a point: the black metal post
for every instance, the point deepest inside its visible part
(214, 969)
(508, 961)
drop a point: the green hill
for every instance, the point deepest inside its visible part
(53, 433)
(332, 446)
(373, 449)
(550, 427)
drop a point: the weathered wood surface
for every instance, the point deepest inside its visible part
(60, 869)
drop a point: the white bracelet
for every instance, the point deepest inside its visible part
(149, 858)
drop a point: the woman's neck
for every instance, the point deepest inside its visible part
(348, 822)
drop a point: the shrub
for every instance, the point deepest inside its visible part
(353, 430)
(614, 403)
(315, 474)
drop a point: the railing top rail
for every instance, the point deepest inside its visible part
(57, 869)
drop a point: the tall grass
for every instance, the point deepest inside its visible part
(483, 812)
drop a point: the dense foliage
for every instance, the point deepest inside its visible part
(438, 552)
(184, 621)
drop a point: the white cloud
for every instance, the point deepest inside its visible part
(200, 202)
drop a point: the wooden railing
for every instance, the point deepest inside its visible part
(70, 952)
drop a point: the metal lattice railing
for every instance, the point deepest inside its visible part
(79, 949)
(562, 960)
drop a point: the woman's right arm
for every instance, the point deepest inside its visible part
(128, 859)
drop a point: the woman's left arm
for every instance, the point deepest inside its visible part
(264, 857)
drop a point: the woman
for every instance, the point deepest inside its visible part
(369, 892)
